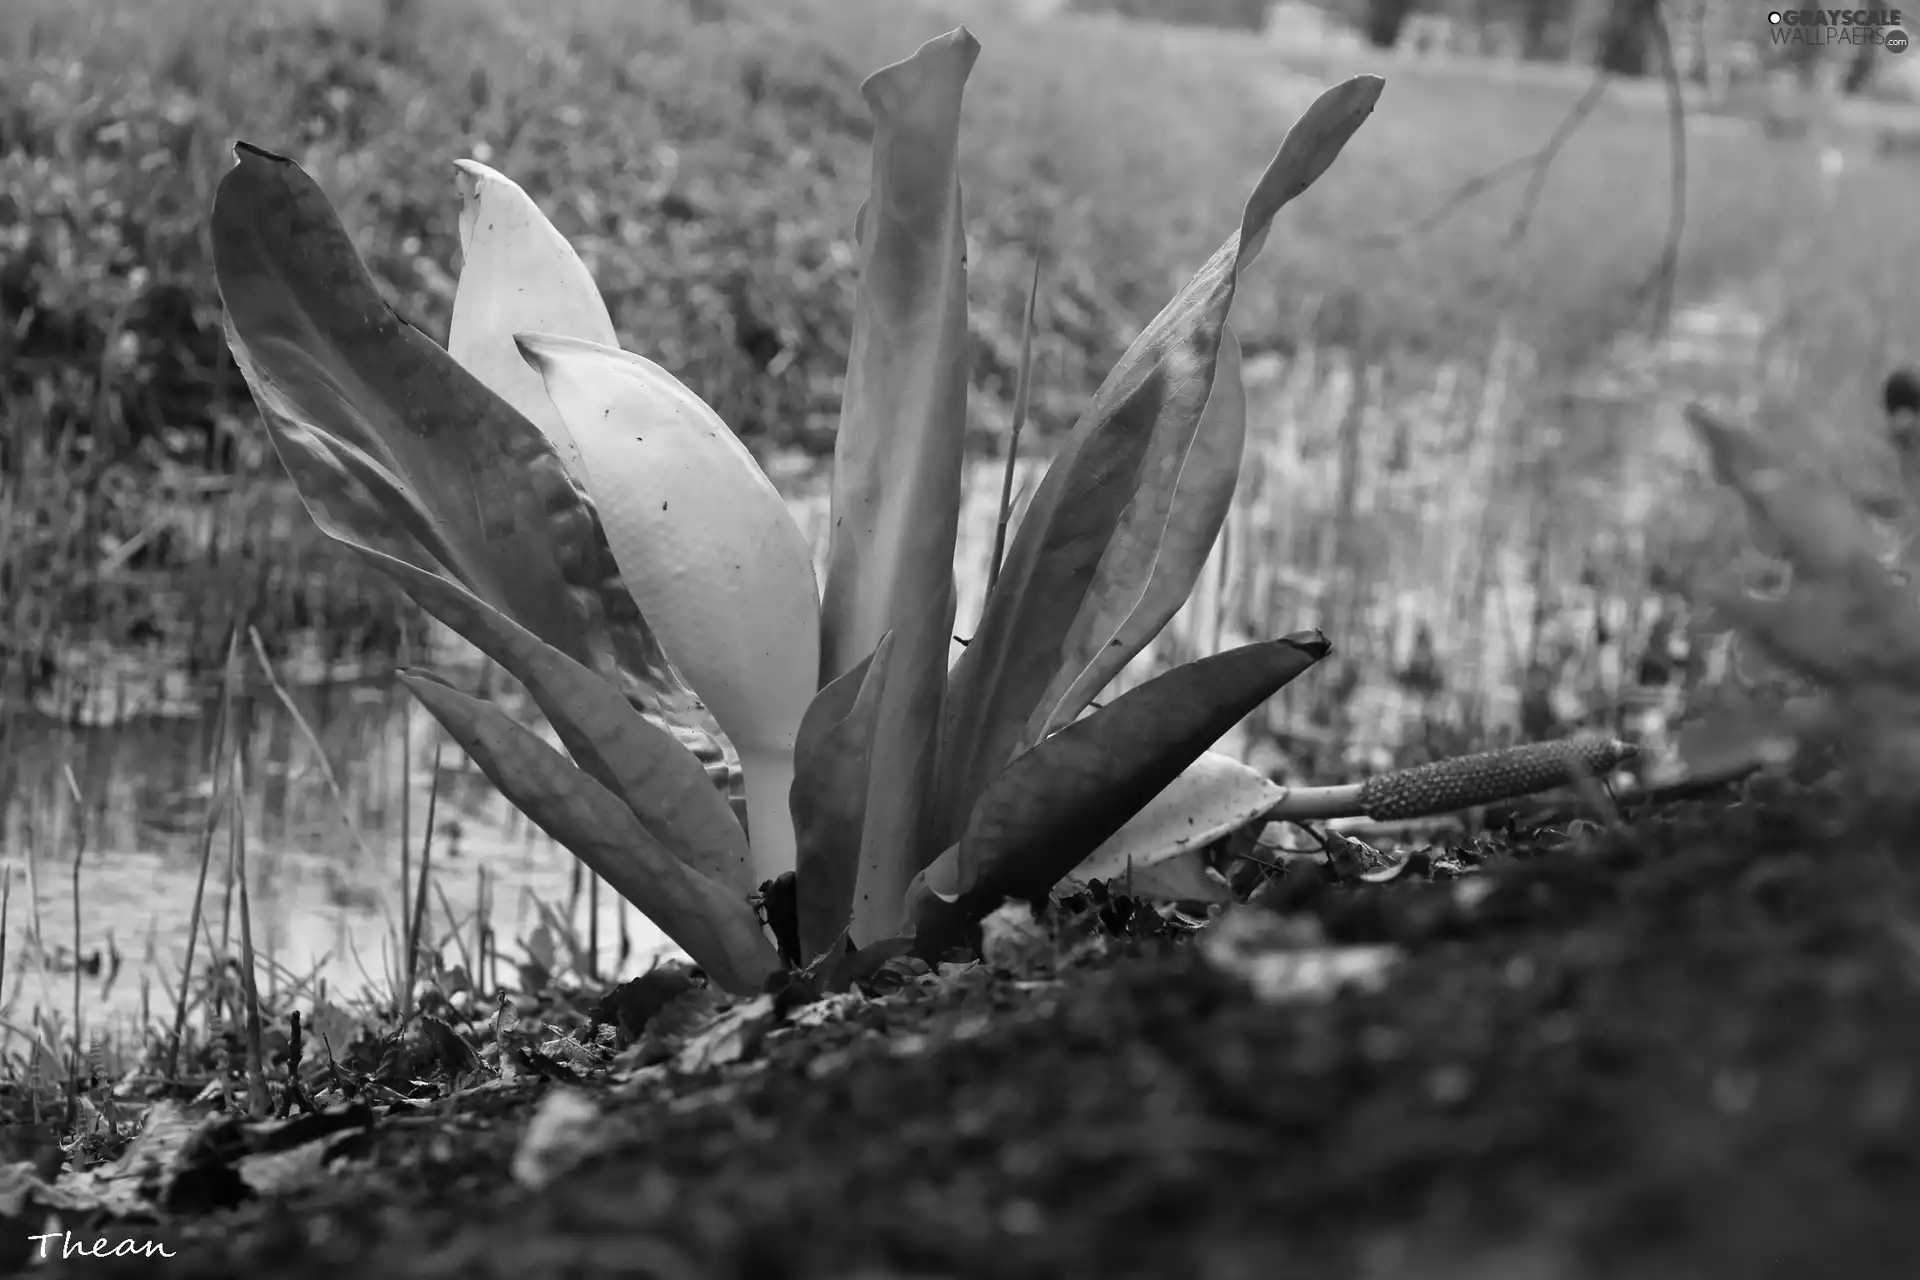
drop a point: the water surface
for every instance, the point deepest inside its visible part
(324, 866)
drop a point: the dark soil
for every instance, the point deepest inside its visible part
(1687, 1048)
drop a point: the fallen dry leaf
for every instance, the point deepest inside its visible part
(1285, 965)
(565, 1129)
(1013, 941)
(731, 1037)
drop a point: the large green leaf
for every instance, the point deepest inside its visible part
(1059, 801)
(898, 456)
(475, 491)
(1149, 408)
(662, 782)
(1157, 553)
(832, 766)
(715, 926)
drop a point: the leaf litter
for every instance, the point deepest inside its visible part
(1560, 1016)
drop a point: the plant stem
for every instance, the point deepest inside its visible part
(767, 776)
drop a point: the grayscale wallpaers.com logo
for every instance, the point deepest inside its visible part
(1838, 26)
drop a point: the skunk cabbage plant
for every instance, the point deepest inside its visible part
(590, 524)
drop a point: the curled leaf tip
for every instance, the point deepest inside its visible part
(470, 177)
(958, 38)
(1311, 641)
(953, 53)
(413, 676)
(243, 150)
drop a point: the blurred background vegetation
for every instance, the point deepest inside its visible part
(707, 156)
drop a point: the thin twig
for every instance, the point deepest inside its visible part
(1663, 280)
(1535, 163)
(1543, 159)
(313, 741)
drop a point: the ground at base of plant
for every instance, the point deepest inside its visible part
(1684, 1047)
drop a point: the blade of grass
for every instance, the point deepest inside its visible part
(481, 909)
(226, 906)
(593, 926)
(196, 919)
(79, 854)
(406, 812)
(37, 933)
(6, 907)
(1022, 389)
(418, 919)
(456, 928)
(257, 1102)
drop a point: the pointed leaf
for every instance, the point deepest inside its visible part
(714, 926)
(898, 455)
(832, 765)
(1156, 554)
(1062, 799)
(1137, 431)
(711, 552)
(518, 274)
(1808, 522)
(482, 496)
(662, 782)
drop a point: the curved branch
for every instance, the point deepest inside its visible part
(1535, 164)
(1661, 282)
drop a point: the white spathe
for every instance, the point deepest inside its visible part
(1157, 851)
